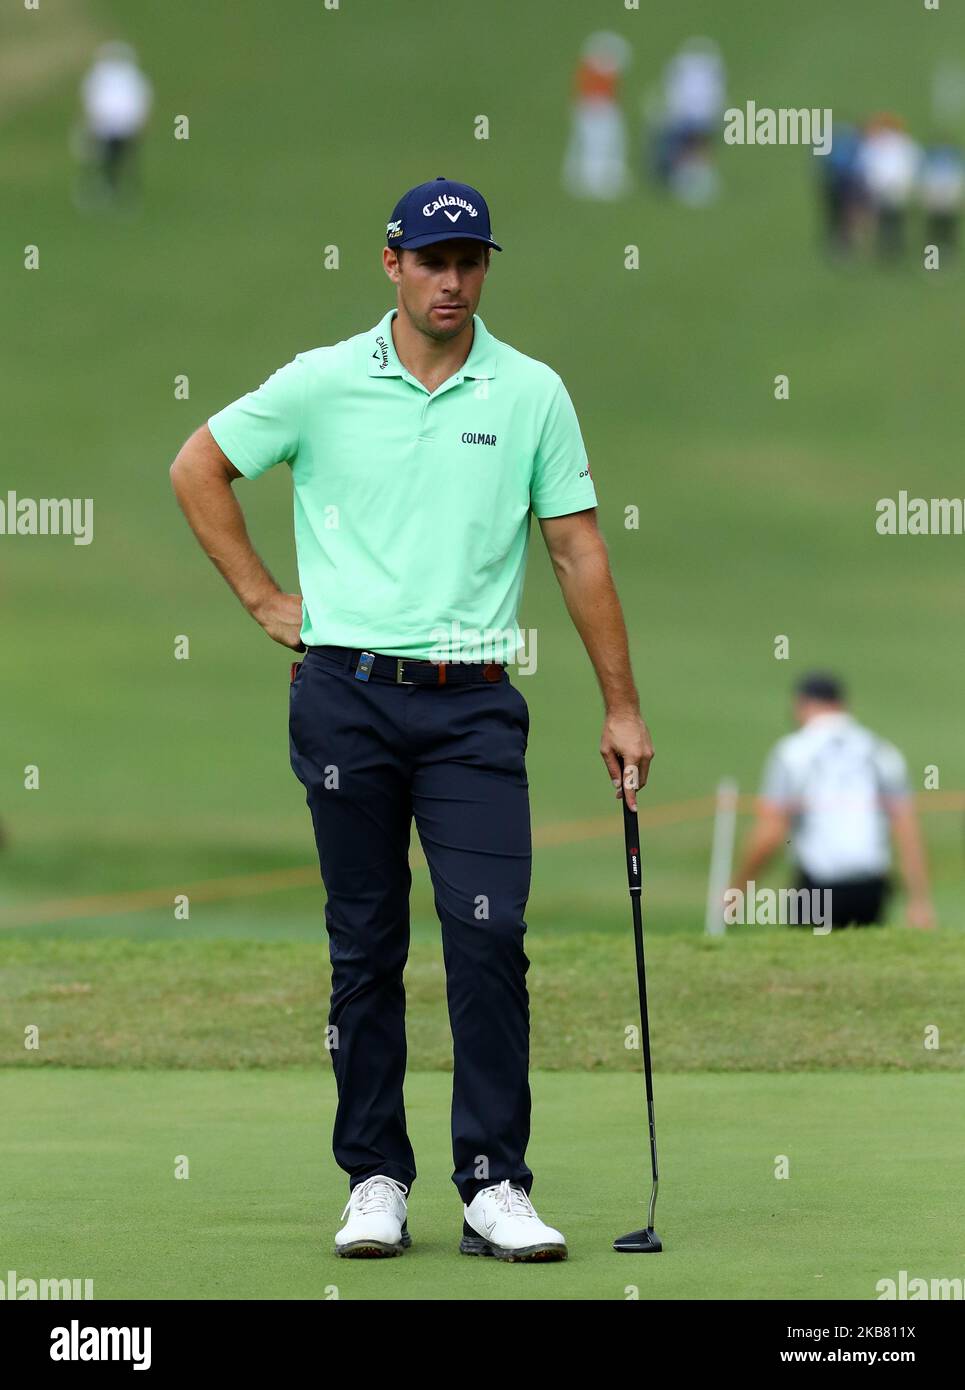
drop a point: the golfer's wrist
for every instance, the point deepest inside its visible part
(260, 601)
(622, 709)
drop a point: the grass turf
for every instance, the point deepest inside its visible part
(761, 1000)
(89, 1157)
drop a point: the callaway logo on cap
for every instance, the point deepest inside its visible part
(439, 211)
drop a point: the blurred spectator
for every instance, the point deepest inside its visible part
(941, 185)
(845, 204)
(596, 158)
(116, 98)
(693, 102)
(889, 161)
(839, 792)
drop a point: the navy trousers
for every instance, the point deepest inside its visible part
(372, 755)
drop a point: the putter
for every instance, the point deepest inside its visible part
(645, 1242)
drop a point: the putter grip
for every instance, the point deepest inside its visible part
(631, 835)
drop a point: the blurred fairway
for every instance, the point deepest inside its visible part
(756, 516)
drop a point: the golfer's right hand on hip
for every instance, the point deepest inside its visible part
(281, 617)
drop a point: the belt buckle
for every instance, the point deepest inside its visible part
(399, 678)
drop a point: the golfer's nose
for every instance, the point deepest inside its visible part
(451, 280)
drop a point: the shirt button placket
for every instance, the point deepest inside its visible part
(424, 436)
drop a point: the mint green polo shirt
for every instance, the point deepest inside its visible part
(412, 508)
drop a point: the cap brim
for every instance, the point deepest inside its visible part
(431, 238)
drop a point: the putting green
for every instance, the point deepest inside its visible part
(88, 1161)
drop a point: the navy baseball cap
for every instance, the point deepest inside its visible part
(441, 210)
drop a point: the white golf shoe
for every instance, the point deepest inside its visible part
(502, 1221)
(376, 1225)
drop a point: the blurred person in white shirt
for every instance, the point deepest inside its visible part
(694, 95)
(941, 189)
(596, 163)
(889, 161)
(116, 98)
(839, 794)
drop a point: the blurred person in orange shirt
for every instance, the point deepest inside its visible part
(596, 163)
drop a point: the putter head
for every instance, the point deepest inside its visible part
(645, 1242)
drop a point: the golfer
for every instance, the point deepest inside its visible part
(418, 450)
(839, 793)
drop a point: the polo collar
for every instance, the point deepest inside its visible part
(383, 360)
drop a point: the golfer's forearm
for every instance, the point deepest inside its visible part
(911, 853)
(756, 856)
(215, 517)
(766, 838)
(592, 602)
